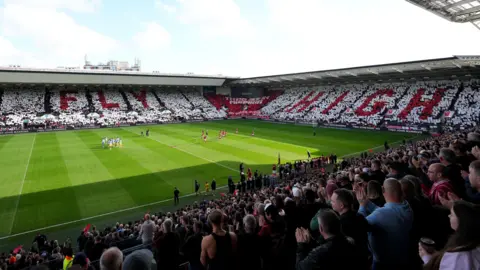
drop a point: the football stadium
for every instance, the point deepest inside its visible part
(367, 167)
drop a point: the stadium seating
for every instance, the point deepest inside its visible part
(450, 103)
(302, 189)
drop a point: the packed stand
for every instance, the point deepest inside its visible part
(450, 103)
(180, 107)
(413, 207)
(209, 110)
(467, 111)
(21, 105)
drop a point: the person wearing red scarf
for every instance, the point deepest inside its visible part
(437, 173)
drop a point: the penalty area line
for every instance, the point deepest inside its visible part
(97, 216)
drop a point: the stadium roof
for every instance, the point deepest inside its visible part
(19, 75)
(459, 11)
(442, 68)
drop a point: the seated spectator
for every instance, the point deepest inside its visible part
(111, 259)
(337, 252)
(140, 260)
(80, 261)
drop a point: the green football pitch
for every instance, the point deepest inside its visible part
(50, 180)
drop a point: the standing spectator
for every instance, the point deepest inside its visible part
(96, 251)
(452, 170)
(376, 172)
(249, 245)
(111, 259)
(390, 227)
(167, 246)
(336, 253)
(473, 190)
(354, 225)
(146, 230)
(374, 193)
(441, 184)
(218, 248)
(193, 247)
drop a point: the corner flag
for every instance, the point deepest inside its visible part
(309, 155)
(279, 159)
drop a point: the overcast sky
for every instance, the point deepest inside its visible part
(230, 37)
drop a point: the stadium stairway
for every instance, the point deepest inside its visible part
(48, 106)
(455, 98)
(1, 95)
(158, 99)
(191, 103)
(125, 99)
(90, 101)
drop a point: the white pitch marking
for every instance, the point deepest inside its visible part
(23, 183)
(96, 216)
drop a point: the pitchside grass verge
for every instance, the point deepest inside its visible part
(48, 179)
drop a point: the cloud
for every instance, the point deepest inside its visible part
(314, 35)
(214, 18)
(86, 6)
(153, 37)
(52, 35)
(162, 6)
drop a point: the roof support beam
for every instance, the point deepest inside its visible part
(456, 64)
(331, 75)
(315, 76)
(351, 73)
(474, 18)
(372, 71)
(459, 3)
(426, 67)
(466, 11)
(299, 78)
(397, 69)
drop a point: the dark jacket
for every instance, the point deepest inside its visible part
(167, 246)
(336, 253)
(378, 176)
(249, 250)
(192, 250)
(355, 225)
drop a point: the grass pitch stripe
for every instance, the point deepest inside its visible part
(23, 183)
(187, 152)
(98, 216)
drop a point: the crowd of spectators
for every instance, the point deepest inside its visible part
(87, 106)
(447, 103)
(411, 207)
(450, 103)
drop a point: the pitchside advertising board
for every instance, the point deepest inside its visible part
(395, 128)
